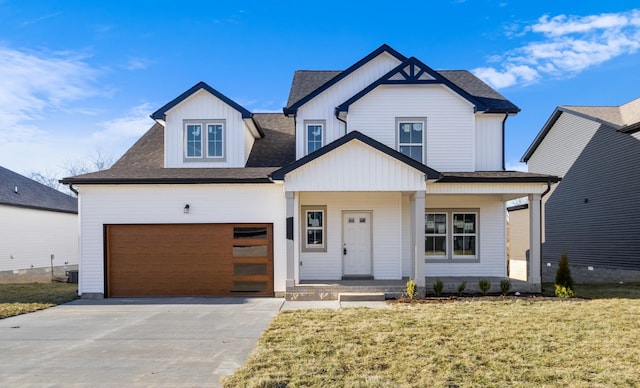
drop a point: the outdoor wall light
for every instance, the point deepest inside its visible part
(186, 209)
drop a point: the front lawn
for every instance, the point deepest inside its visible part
(16, 299)
(521, 342)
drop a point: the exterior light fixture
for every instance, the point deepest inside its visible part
(186, 209)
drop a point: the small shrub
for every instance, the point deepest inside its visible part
(461, 287)
(505, 286)
(412, 288)
(564, 292)
(564, 281)
(484, 285)
(437, 287)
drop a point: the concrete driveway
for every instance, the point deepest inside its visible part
(129, 342)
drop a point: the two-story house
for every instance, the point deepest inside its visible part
(593, 214)
(385, 171)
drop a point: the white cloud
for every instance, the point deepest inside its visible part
(131, 125)
(134, 64)
(570, 44)
(516, 166)
(31, 83)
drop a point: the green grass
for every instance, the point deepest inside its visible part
(16, 299)
(517, 343)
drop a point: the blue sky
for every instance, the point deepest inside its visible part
(82, 76)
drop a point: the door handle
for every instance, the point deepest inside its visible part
(344, 251)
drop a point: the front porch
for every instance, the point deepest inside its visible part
(308, 290)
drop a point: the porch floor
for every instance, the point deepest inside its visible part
(331, 289)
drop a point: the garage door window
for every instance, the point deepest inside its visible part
(240, 233)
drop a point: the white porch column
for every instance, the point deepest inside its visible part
(418, 239)
(290, 209)
(535, 239)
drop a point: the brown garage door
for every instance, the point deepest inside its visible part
(189, 260)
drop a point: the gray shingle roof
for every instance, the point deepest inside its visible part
(144, 161)
(624, 118)
(278, 146)
(306, 81)
(31, 194)
(473, 85)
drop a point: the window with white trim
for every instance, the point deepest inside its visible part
(451, 234)
(314, 135)
(410, 134)
(204, 140)
(314, 228)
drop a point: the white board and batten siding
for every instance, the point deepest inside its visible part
(355, 166)
(155, 204)
(28, 238)
(386, 234)
(450, 122)
(489, 142)
(202, 105)
(491, 232)
(562, 145)
(322, 106)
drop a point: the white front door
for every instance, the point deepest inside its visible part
(356, 240)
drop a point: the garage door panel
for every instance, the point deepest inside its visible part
(189, 260)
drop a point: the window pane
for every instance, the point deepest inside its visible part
(469, 223)
(314, 137)
(314, 219)
(435, 246)
(405, 133)
(464, 245)
(416, 133)
(249, 251)
(194, 140)
(214, 140)
(249, 233)
(249, 269)
(436, 223)
(414, 152)
(458, 223)
(314, 237)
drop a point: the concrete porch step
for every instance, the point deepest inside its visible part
(361, 296)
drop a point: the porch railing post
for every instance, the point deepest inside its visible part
(418, 228)
(290, 208)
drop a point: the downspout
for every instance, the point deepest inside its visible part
(506, 115)
(72, 189)
(337, 114)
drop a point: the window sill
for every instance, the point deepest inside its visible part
(449, 261)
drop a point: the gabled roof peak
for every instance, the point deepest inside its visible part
(160, 113)
(303, 99)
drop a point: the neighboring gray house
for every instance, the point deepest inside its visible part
(38, 230)
(593, 214)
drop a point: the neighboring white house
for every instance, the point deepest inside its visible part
(385, 171)
(38, 230)
(593, 213)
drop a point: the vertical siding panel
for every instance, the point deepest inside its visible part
(489, 142)
(203, 105)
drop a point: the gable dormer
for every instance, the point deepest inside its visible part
(205, 129)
